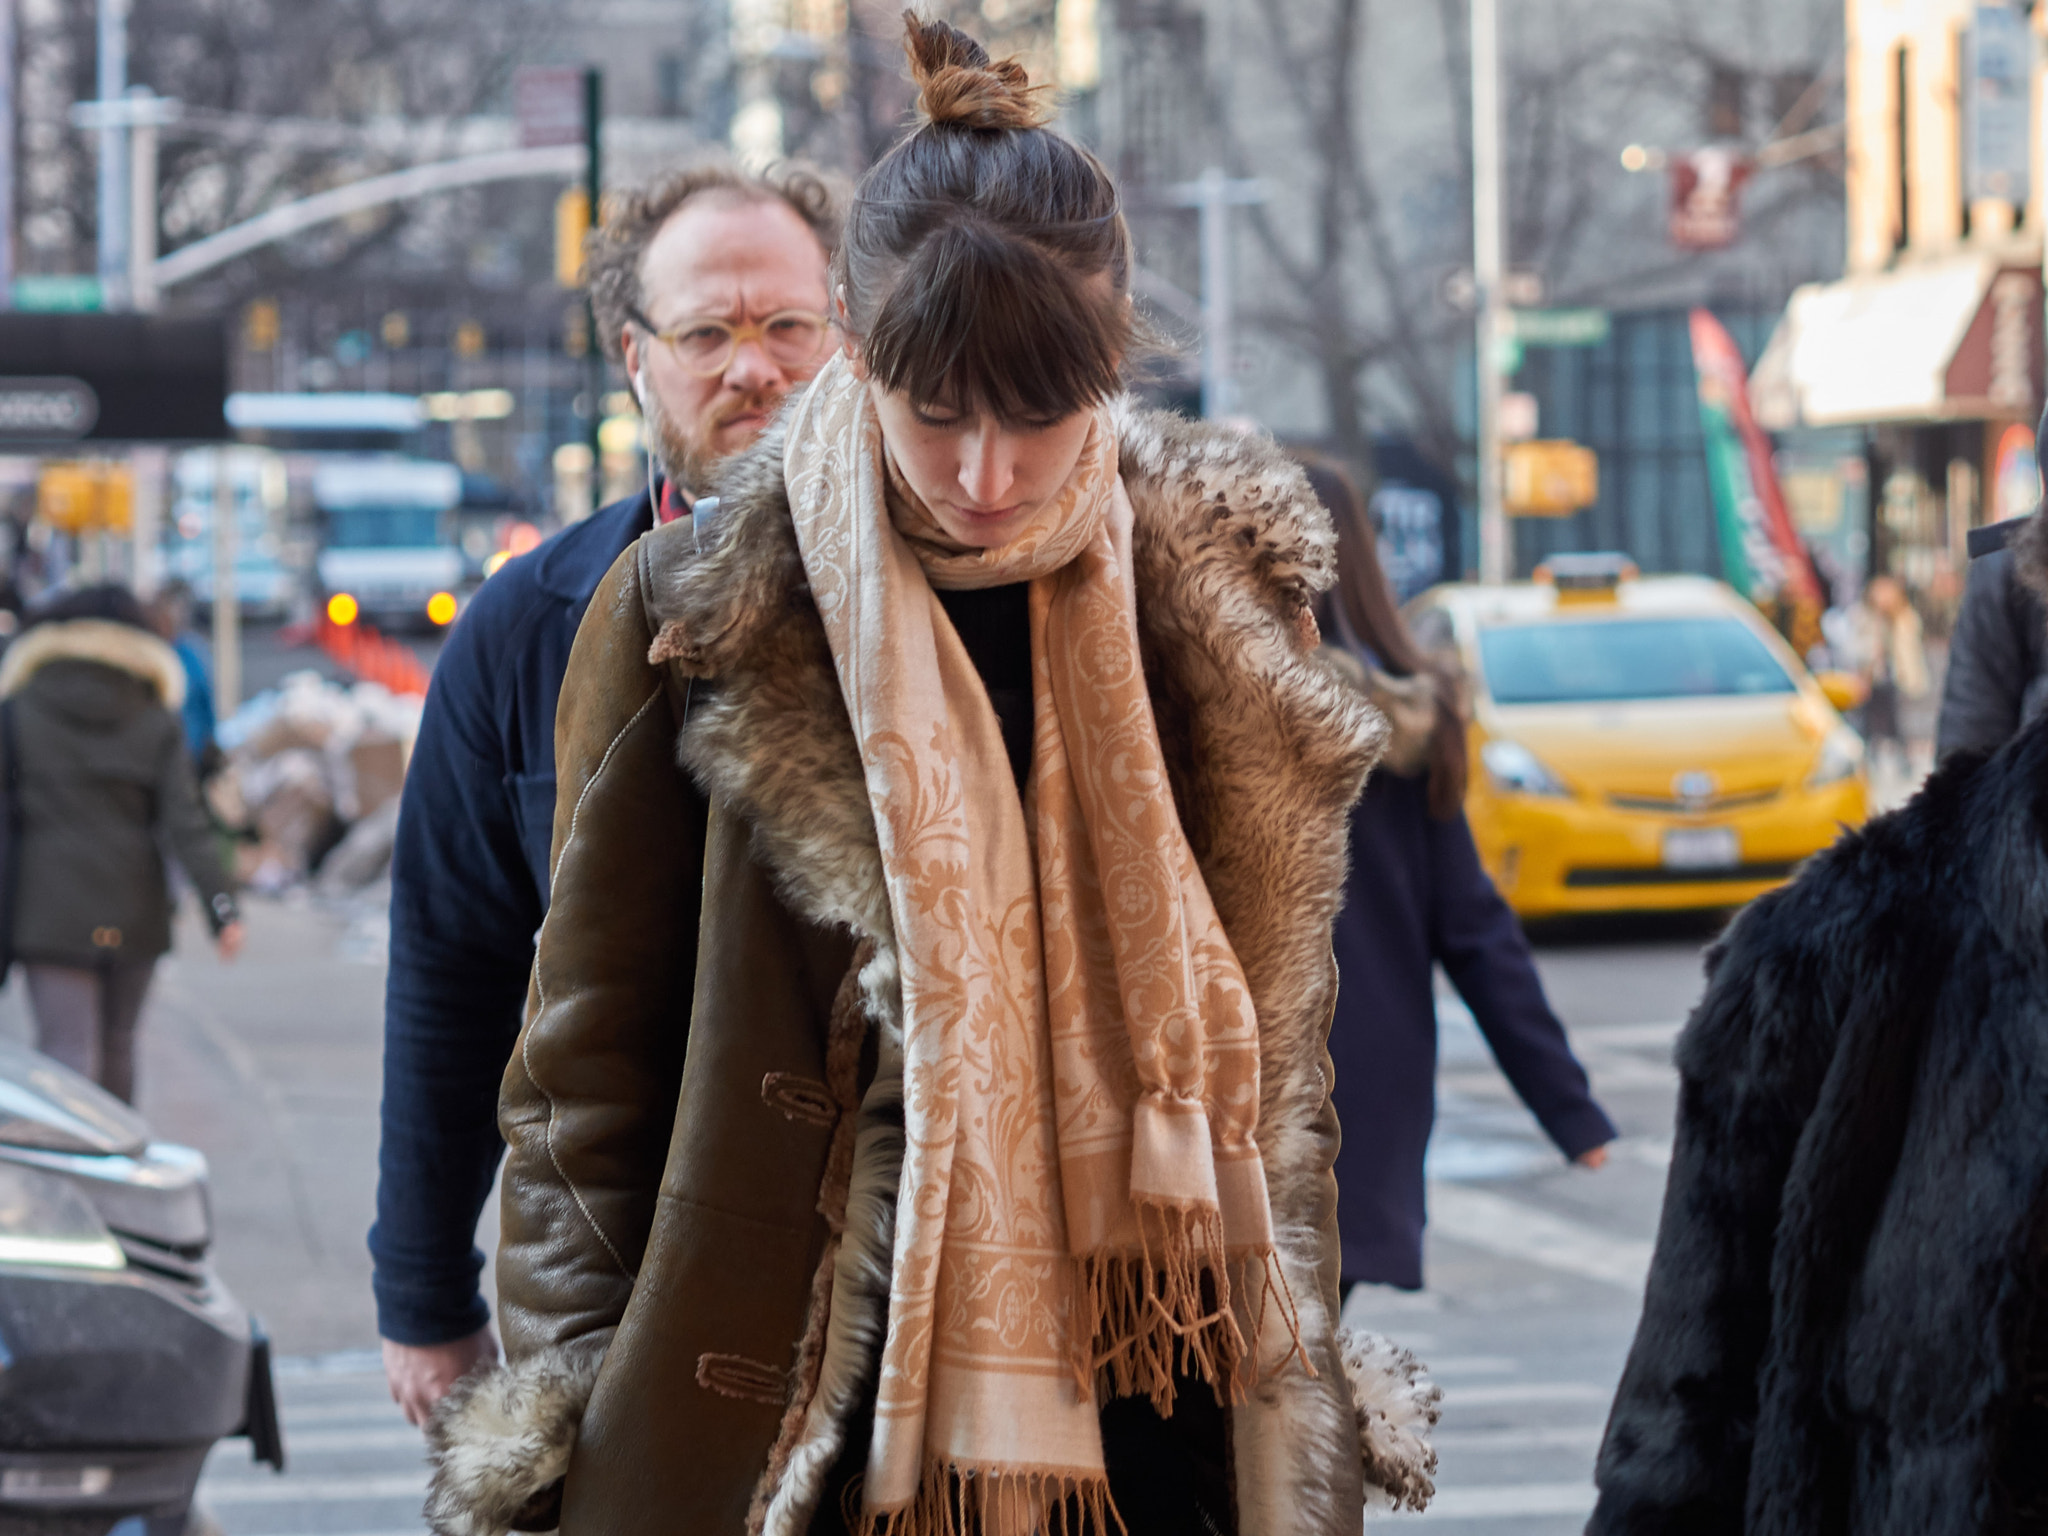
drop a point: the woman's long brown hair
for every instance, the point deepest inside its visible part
(1368, 606)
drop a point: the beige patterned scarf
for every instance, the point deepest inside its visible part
(1081, 1189)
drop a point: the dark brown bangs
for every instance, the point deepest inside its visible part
(977, 321)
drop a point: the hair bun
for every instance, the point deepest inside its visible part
(959, 87)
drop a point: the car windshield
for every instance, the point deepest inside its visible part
(384, 528)
(1591, 661)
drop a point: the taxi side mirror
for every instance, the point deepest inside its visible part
(1844, 690)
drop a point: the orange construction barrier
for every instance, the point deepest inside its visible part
(372, 657)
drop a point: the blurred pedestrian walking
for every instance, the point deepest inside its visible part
(170, 612)
(101, 785)
(710, 287)
(1417, 897)
(1001, 875)
(1997, 679)
(1845, 1327)
(1892, 658)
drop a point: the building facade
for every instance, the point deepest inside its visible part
(1929, 350)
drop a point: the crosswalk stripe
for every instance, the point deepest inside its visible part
(1508, 1501)
(312, 1490)
(383, 1437)
(1504, 1393)
(1515, 1230)
(1467, 1442)
(380, 1411)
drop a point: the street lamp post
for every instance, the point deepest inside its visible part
(114, 190)
(6, 154)
(1488, 273)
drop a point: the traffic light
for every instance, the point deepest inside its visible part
(1550, 478)
(260, 325)
(86, 498)
(572, 224)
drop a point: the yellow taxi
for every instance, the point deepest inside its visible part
(1641, 742)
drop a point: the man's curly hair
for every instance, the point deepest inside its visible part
(612, 251)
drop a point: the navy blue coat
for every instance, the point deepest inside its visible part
(469, 885)
(1418, 897)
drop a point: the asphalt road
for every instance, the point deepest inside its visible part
(271, 1067)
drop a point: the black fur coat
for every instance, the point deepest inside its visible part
(1845, 1329)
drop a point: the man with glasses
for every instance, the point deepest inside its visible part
(710, 287)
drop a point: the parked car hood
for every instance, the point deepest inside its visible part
(46, 1105)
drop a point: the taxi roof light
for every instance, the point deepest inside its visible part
(1604, 569)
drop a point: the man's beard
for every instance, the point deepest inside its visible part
(691, 459)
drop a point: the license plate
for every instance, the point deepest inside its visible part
(55, 1482)
(1702, 848)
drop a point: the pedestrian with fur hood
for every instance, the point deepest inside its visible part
(1846, 1322)
(102, 786)
(1417, 898)
(922, 1119)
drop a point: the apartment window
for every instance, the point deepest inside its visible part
(1902, 143)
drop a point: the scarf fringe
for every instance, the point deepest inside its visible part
(1167, 1312)
(965, 1501)
(1162, 1312)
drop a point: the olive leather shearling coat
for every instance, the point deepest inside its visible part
(703, 1113)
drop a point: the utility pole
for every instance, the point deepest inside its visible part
(147, 112)
(227, 609)
(1212, 195)
(6, 154)
(114, 190)
(1489, 271)
(593, 190)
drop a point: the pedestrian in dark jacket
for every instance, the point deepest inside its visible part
(703, 284)
(1845, 1328)
(1417, 897)
(105, 786)
(1998, 658)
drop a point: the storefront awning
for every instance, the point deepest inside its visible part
(1952, 340)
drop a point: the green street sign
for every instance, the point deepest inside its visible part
(1558, 327)
(63, 294)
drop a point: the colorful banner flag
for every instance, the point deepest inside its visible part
(1760, 553)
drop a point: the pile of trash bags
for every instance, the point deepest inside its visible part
(311, 782)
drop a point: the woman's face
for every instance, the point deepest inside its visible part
(982, 479)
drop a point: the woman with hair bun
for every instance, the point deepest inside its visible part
(921, 1125)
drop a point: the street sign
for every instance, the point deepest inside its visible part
(61, 294)
(60, 410)
(547, 102)
(1706, 197)
(77, 378)
(1558, 327)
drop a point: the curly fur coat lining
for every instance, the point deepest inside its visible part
(1267, 749)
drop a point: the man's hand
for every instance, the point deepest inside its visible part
(421, 1374)
(1594, 1157)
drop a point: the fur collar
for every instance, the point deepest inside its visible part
(1267, 749)
(121, 646)
(2030, 555)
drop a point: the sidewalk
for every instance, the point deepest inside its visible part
(271, 1067)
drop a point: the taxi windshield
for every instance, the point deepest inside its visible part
(1596, 660)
